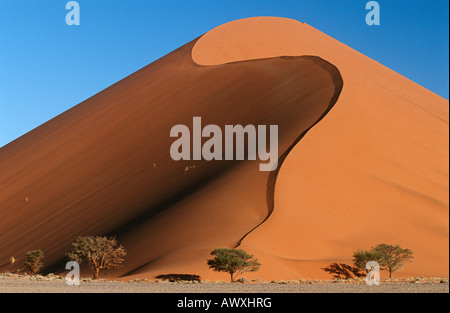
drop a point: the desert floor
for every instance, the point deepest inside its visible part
(14, 285)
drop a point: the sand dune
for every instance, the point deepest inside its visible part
(363, 159)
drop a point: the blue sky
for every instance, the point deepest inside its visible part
(47, 67)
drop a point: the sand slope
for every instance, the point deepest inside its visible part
(374, 168)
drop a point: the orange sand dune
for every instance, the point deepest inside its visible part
(374, 169)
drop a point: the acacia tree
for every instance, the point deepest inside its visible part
(392, 258)
(361, 258)
(33, 260)
(101, 253)
(233, 261)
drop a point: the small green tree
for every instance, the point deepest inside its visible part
(361, 258)
(391, 258)
(233, 261)
(101, 253)
(33, 260)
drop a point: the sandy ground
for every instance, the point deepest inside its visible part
(11, 285)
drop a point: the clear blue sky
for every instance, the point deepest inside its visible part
(47, 67)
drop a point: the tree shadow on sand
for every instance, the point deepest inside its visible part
(178, 277)
(343, 271)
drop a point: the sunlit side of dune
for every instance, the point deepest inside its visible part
(374, 170)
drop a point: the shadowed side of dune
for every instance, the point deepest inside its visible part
(104, 167)
(230, 190)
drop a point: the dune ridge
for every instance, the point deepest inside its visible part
(271, 182)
